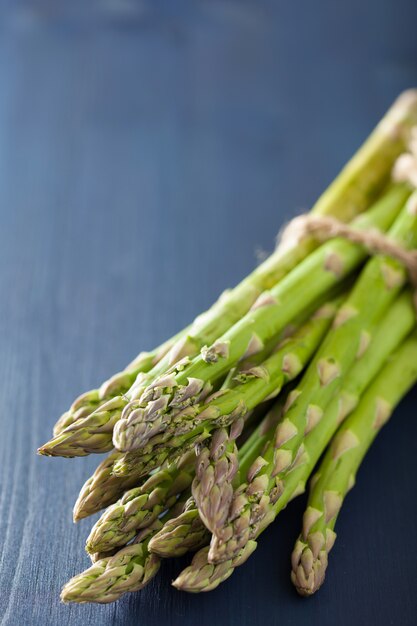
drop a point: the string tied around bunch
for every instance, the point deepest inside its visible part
(324, 228)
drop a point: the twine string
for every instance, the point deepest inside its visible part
(325, 228)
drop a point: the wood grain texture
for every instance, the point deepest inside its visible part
(147, 150)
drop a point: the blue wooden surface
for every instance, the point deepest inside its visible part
(147, 151)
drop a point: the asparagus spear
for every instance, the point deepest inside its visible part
(139, 507)
(180, 535)
(349, 338)
(337, 472)
(227, 406)
(189, 381)
(103, 487)
(129, 569)
(108, 579)
(202, 575)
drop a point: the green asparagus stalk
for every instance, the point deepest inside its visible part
(129, 569)
(189, 382)
(139, 507)
(395, 326)
(108, 579)
(229, 406)
(202, 575)
(103, 487)
(337, 472)
(182, 534)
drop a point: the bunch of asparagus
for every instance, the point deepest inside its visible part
(211, 434)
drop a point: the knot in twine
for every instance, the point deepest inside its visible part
(325, 228)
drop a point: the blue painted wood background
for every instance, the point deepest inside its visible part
(148, 150)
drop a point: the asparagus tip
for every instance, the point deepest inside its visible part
(77, 515)
(309, 570)
(44, 450)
